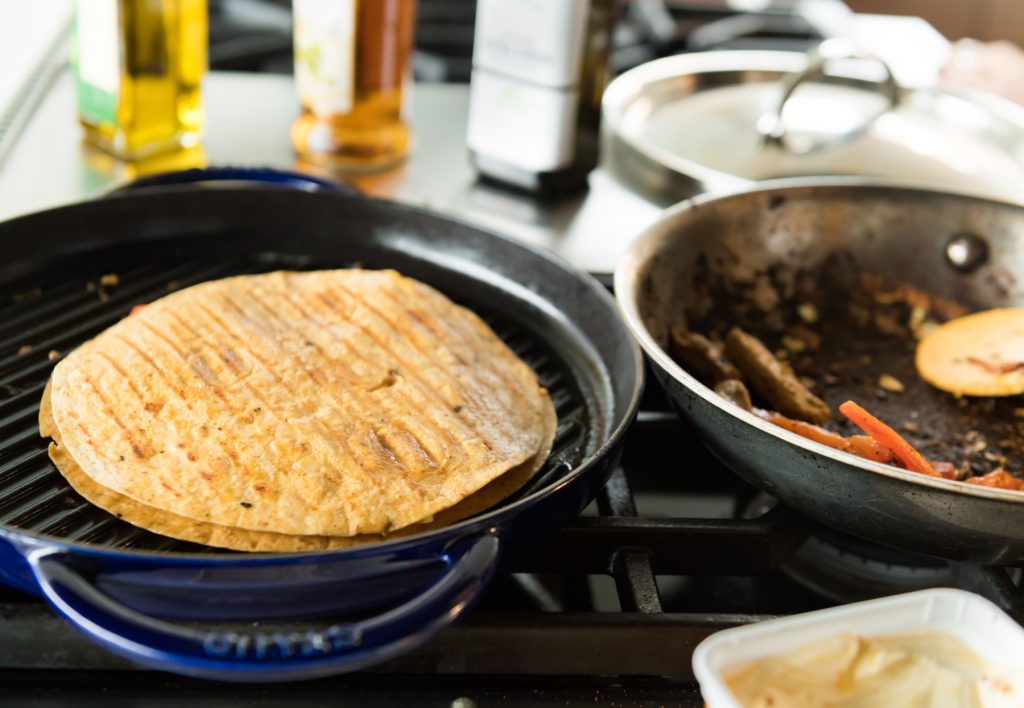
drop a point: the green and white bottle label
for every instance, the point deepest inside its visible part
(96, 56)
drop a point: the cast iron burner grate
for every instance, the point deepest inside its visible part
(609, 609)
(42, 322)
(843, 568)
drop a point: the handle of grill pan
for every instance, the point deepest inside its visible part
(260, 175)
(254, 655)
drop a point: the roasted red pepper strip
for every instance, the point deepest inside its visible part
(860, 445)
(867, 447)
(946, 470)
(888, 438)
(137, 309)
(1000, 479)
(807, 430)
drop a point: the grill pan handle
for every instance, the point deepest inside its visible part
(261, 175)
(253, 655)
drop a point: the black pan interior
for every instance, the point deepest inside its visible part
(861, 337)
(51, 304)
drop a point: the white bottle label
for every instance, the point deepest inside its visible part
(325, 39)
(98, 59)
(540, 41)
(527, 59)
(530, 127)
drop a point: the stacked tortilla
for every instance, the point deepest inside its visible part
(297, 411)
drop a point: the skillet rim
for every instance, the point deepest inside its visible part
(25, 539)
(648, 245)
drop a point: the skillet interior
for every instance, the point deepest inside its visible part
(862, 333)
(786, 246)
(47, 302)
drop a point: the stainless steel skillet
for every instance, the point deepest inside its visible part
(965, 248)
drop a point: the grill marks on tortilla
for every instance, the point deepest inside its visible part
(468, 331)
(325, 433)
(473, 395)
(408, 366)
(354, 407)
(370, 384)
(187, 529)
(216, 466)
(384, 444)
(209, 474)
(247, 415)
(261, 490)
(343, 410)
(233, 466)
(329, 403)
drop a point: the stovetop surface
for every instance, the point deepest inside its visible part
(606, 611)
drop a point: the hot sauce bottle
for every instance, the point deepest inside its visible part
(352, 73)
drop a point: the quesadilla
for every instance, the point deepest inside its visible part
(320, 405)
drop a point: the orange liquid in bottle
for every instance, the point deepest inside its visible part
(372, 134)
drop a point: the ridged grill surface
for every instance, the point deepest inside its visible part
(44, 318)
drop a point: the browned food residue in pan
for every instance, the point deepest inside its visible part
(845, 335)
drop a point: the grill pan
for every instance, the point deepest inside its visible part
(200, 611)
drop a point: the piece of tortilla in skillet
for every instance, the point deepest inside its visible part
(325, 404)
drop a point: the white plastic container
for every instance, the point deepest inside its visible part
(972, 619)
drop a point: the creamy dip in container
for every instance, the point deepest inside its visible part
(920, 669)
(932, 648)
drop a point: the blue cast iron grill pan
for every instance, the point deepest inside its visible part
(191, 609)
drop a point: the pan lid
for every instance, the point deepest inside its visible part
(719, 120)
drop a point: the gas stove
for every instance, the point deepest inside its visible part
(607, 610)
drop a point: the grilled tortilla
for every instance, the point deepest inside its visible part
(186, 529)
(330, 403)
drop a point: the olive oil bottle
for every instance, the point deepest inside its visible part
(138, 67)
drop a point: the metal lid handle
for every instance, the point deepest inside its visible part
(772, 126)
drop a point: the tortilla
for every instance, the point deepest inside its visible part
(976, 355)
(329, 403)
(185, 529)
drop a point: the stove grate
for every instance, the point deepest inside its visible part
(668, 580)
(539, 619)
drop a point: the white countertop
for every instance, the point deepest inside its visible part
(44, 164)
(248, 116)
